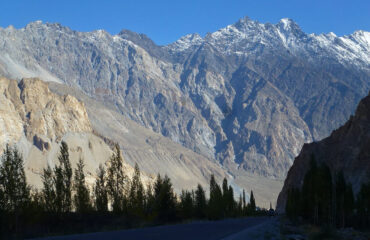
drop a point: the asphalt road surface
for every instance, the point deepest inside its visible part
(207, 230)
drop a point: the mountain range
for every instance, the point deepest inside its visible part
(243, 99)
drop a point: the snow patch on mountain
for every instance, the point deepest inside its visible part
(186, 42)
(247, 36)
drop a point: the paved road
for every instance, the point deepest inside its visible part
(193, 231)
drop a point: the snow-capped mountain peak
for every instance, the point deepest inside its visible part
(248, 36)
(248, 95)
(286, 23)
(362, 37)
(35, 23)
(186, 42)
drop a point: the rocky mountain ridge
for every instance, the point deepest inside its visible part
(248, 37)
(248, 95)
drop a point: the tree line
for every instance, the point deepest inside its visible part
(65, 203)
(329, 200)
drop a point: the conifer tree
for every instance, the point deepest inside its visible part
(317, 194)
(15, 192)
(244, 202)
(165, 200)
(225, 188)
(2, 197)
(200, 202)
(136, 195)
(63, 181)
(186, 205)
(215, 200)
(36, 206)
(225, 197)
(230, 201)
(240, 206)
(100, 191)
(149, 200)
(324, 194)
(157, 188)
(5, 164)
(228, 198)
(82, 196)
(157, 185)
(48, 190)
(252, 204)
(309, 198)
(117, 181)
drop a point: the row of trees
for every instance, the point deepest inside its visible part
(327, 200)
(65, 196)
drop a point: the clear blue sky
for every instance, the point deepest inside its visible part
(164, 21)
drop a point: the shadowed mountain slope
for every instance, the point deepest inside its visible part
(347, 149)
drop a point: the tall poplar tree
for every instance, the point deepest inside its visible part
(149, 201)
(215, 205)
(100, 191)
(225, 197)
(244, 202)
(63, 180)
(164, 200)
(15, 192)
(186, 204)
(116, 181)
(82, 193)
(200, 202)
(48, 191)
(252, 204)
(136, 195)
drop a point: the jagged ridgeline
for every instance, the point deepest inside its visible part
(249, 94)
(246, 96)
(332, 177)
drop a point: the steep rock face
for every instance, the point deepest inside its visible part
(36, 116)
(151, 151)
(36, 120)
(346, 149)
(248, 95)
(29, 108)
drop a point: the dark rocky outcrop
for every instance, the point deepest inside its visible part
(41, 143)
(347, 149)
